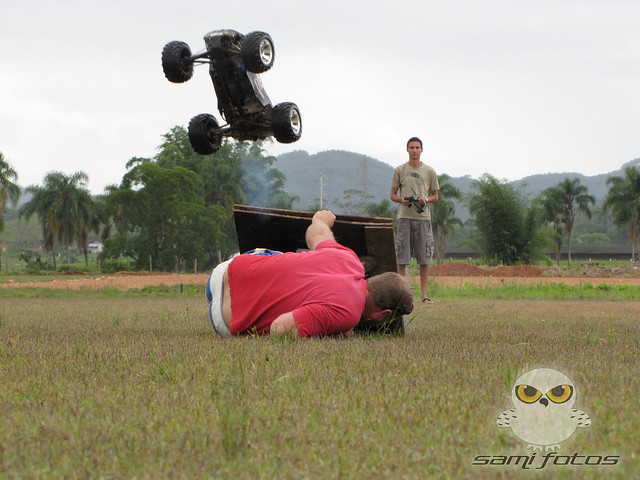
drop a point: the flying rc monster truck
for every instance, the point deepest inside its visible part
(235, 61)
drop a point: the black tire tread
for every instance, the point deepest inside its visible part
(250, 52)
(200, 138)
(175, 68)
(282, 124)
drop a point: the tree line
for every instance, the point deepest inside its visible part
(176, 208)
(508, 229)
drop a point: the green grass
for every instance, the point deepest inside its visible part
(463, 291)
(139, 387)
(543, 290)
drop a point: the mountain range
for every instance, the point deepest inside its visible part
(335, 174)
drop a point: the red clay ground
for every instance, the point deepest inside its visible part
(450, 274)
(457, 273)
(122, 281)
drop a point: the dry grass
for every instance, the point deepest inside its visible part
(140, 387)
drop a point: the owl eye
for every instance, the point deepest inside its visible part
(560, 394)
(527, 393)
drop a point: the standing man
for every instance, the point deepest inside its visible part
(414, 185)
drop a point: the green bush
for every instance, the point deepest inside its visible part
(33, 260)
(594, 239)
(112, 265)
(72, 269)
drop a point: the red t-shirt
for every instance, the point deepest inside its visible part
(324, 288)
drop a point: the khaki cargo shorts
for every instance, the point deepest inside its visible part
(414, 240)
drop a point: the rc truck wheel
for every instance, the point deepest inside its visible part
(202, 134)
(258, 52)
(287, 122)
(176, 62)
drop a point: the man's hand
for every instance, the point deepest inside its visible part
(324, 216)
(320, 228)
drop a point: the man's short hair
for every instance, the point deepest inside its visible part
(414, 139)
(391, 291)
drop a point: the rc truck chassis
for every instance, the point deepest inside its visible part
(235, 62)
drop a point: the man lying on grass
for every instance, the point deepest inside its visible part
(318, 292)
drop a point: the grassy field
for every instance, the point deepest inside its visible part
(108, 385)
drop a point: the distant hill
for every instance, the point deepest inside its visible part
(333, 173)
(342, 171)
(596, 184)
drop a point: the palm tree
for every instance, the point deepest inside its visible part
(114, 210)
(40, 205)
(9, 191)
(60, 205)
(574, 199)
(382, 209)
(443, 217)
(87, 220)
(623, 200)
(552, 204)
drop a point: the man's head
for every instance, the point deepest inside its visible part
(414, 139)
(414, 148)
(392, 296)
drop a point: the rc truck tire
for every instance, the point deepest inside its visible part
(176, 62)
(257, 52)
(287, 122)
(203, 134)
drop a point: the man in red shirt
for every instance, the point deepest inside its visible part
(313, 293)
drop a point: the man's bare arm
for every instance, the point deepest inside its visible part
(285, 324)
(320, 228)
(397, 198)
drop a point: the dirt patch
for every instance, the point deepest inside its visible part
(517, 271)
(457, 270)
(120, 281)
(460, 269)
(449, 274)
(496, 281)
(631, 270)
(459, 273)
(592, 270)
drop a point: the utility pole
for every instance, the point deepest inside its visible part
(321, 191)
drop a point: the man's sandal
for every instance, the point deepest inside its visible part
(427, 300)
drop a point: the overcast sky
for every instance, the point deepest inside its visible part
(510, 88)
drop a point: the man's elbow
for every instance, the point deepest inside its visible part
(285, 324)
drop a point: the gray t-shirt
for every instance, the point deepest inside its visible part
(409, 180)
